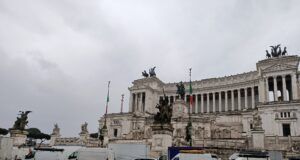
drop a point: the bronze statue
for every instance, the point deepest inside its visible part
(84, 128)
(284, 52)
(276, 51)
(152, 72)
(268, 55)
(165, 111)
(56, 130)
(145, 74)
(180, 90)
(21, 121)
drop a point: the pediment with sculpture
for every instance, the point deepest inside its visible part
(279, 67)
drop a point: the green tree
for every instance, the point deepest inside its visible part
(34, 133)
(94, 135)
(3, 131)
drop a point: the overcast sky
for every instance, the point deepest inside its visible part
(56, 56)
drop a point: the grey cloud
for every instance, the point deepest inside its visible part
(57, 56)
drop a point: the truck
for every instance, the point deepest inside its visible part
(92, 154)
(190, 153)
(130, 151)
(250, 155)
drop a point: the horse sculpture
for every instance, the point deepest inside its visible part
(145, 74)
(21, 121)
(180, 90)
(165, 111)
(152, 72)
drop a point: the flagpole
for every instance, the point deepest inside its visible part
(190, 104)
(190, 107)
(122, 100)
(107, 100)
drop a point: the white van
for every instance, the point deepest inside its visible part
(92, 154)
(250, 155)
(193, 156)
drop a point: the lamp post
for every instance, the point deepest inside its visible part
(189, 126)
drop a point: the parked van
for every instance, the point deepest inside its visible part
(190, 153)
(92, 154)
(196, 156)
(250, 155)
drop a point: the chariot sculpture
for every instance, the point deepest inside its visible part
(151, 73)
(276, 51)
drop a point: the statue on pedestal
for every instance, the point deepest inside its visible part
(56, 130)
(162, 130)
(84, 128)
(18, 132)
(257, 124)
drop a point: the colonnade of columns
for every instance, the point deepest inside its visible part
(281, 87)
(223, 101)
(138, 101)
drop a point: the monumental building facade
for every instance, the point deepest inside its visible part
(225, 111)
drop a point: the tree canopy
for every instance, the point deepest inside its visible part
(3, 131)
(94, 135)
(35, 133)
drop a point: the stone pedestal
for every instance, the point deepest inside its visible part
(161, 137)
(84, 137)
(105, 137)
(180, 109)
(19, 137)
(52, 140)
(258, 139)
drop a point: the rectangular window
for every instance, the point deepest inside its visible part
(288, 114)
(281, 114)
(115, 132)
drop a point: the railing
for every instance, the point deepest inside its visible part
(222, 143)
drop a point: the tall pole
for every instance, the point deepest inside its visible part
(190, 104)
(107, 100)
(189, 126)
(122, 100)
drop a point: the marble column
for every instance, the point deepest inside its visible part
(196, 103)
(202, 103)
(226, 101)
(220, 101)
(136, 102)
(267, 90)
(246, 98)
(252, 97)
(130, 103)
(214, 102)
(208, 106)
(275, 88)
(140, 102)
(239, 100)
(284, 88)
(232, 100)
(294, 87)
